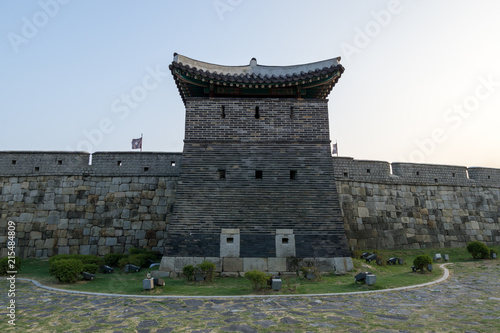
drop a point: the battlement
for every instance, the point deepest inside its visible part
(256, 120)
(34, 163)
(347, 168)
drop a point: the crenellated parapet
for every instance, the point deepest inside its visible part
(347, 168)
(40, 163)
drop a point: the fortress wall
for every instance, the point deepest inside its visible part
(23, 163)
(419, 206)
(74, 207)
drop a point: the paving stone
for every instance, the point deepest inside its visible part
(265, 323)
(323, 325)
(389, 317)
(147, 323)
(289, 321)
(239, 328)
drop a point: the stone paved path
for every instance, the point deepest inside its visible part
(466, 302)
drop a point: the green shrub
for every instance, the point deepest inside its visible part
(134, 259)
(66, 270)
(311, 269)
(90, 268)
(356, 254)
(207, 268)
(142, 257)
(478, 250)
(257, 279)
(137, 250)
(421, 261)
(111, 259)
(5, 265)
(188, 272)
(84, 258)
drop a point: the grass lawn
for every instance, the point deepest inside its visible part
(388, 276)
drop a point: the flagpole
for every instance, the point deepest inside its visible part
(141, 142)
(336, 145)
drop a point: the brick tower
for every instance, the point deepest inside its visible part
(257, 177)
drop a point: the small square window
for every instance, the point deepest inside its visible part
(172, 163)
(230, 240)
(346, 174)
(221, 174)
(146, 169)
(37, 169)
(14, 162)
(119, 163)
(435, 180)
(258, 174)
(453, 174)
(59, 162)
(418, 173)
(293, 174)
(368, 170)
(284, 241)
(488, 177)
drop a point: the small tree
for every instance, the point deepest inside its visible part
(66, 270)
(258, 279)
(422, 261)
(478, 250)
(207, 268)
(6, 265)
(188, 272)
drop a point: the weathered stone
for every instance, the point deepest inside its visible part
(232, 264)
(258, 264)
(276, 264)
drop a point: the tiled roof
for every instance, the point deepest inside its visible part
(200, 79)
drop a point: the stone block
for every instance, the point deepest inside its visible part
(53, 219)
(111, 241)
(35, 235)
(103, 250)
(276, 264)
(217, 261)
(50, 243)
(85, 249)
(284, 231)
(167, 264)
(232, 264)
(147, 284)
(230, 243)
(285, 244)
(140, 234)
(63, 250)
(160, 274)
(26, 218)
(363, 212)
(181, 262)
(325, 264)
(259, 264)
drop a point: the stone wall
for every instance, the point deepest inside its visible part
(417, 205)
(257, 173)
(74, 203)
(61, 203)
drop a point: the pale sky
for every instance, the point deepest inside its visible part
(421, 81)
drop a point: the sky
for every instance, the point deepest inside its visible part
(421, 81)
